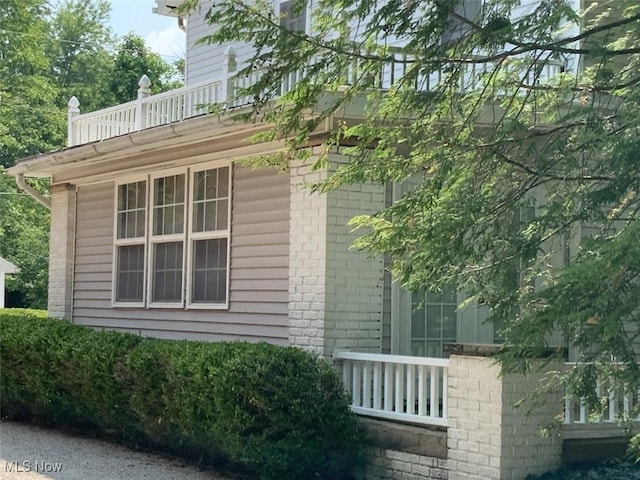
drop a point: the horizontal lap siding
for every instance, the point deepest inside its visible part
(259, 268)
(205, 62)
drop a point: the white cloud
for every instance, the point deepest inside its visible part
(168, 43)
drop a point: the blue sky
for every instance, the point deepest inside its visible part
(161, 33)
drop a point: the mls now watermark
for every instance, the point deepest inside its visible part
(32, 466)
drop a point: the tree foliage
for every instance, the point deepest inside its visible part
(133, 59)
(48, 54)
(513, 107)
(29, 120)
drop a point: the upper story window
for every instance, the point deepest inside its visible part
(456, 28)
(291, 18)
(173, 250)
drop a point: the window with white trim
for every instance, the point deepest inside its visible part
(130, 242)
(179, 230)
(293, 17)
(209, 237)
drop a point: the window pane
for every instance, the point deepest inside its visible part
(211, 187)
(449, 322)
(223, 182)
(199, 185)
(167, 272)
(131, 210)
(222, 215)
(417, 323)
(168, 205)
(209, 216)
(130, 273)
(198, 217)
(417, 348)
(434, 349)
(211, 200)
(434, 322)
(209, 278)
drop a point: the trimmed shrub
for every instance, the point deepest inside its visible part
(606, 470)
(276, 411)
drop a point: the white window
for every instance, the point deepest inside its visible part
(129, 251)
(292, 17)
(171, 245)
(167, 240)
(210, 237)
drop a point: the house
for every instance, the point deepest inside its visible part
(159, 228)
(6, 268)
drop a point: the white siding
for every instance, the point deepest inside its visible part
(204, 62)
(259, 268)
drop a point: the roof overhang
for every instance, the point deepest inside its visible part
(168, 8)
(7, 267)
(198, 139)
(205, 127)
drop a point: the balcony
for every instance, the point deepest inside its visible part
(149, 111)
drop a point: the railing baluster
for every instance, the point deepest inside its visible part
(422, 390)
(366, 385)
(433, 396)
(445, 387)
(399, 388)
(356, 384)
(388, 379)
(377, 385)
(411, 389)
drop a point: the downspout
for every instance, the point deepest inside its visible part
(181, 24)
(32, 192)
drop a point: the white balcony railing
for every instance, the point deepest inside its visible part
(145, 112)
(394, 387)
(618, 405)
(176, 105)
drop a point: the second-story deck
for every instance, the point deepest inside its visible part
(225, 91)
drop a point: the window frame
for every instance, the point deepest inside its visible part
(187, 237)
(122, 242)
(195, 236)
(154, 239)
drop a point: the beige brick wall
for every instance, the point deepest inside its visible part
(307, 259)
(488, 438)
(394, 465)
(61, 244)
(335, 292)
(355, 280)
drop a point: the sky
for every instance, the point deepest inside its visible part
(161, 33)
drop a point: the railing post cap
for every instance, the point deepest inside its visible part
(144, 82)
(74, 103)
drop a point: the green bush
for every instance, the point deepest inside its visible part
(275, 411)
(606, 470)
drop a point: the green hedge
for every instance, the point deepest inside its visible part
(278, 412)
(606, 470)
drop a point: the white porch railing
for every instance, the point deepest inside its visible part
(145, 112)
(176, 105)
(394, 387)
(576, 411)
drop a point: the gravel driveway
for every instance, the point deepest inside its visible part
(32, 453)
